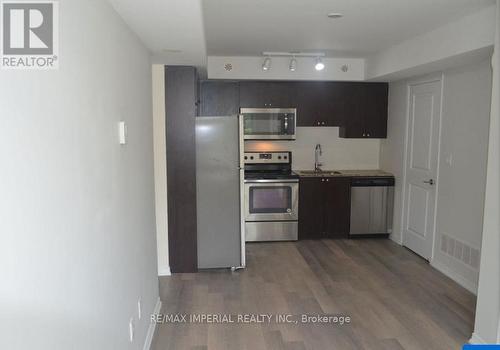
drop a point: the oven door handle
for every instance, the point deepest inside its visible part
(273, 181)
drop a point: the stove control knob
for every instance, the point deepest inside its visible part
(279, 157)
(285, 157)
(251, 157)
(246, 157)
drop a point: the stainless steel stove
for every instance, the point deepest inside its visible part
(271, 197)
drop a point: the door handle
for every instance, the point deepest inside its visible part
(430, 182)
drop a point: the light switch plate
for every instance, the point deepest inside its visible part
(122, 132)
(449, 159)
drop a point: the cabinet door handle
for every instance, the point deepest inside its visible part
(319, 123)
(430, 182)
(364, 134)
(322, 123)
(327, 180)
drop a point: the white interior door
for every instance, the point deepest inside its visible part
(421, 167)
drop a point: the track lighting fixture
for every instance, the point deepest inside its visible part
(292, 66)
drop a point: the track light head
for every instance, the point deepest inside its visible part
(319, 64)
(267, 64)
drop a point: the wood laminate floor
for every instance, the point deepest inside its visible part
(395, 300)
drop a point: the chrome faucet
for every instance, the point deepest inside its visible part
(317, 152)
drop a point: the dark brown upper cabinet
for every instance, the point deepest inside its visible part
(319, 104)
(358, 108)
(219, 98)
(265, 94)
(365, 107)
(324, 207)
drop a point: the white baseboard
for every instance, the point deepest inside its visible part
(476, 339)
(395, 238)
(152, 327)
(470, 286)
(164, 271)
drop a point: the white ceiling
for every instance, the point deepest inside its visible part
(172, 29)
(183, 32)
(249, 27)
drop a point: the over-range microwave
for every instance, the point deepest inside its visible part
(269, 123)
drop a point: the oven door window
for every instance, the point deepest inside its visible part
(270, 199)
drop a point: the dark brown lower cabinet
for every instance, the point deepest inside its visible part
(324, 207)
(337, 207)
(311, 210)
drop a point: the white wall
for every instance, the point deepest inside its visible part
(487, 323)
(392, 149)
(464, 138)
(160, 164)
(338, 153)
(464, 141)
(77, 209)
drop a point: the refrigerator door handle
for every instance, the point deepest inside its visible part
(242, 191)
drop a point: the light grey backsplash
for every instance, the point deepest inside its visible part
(338, 153)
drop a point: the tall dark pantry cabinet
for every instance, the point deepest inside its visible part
(181, 109)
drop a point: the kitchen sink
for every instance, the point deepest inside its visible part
(319, 173)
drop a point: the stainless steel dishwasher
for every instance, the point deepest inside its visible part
(372, 205)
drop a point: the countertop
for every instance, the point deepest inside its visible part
(343, 173)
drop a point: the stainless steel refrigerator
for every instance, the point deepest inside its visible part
(219, 186)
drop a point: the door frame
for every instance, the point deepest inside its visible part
(435, 77)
